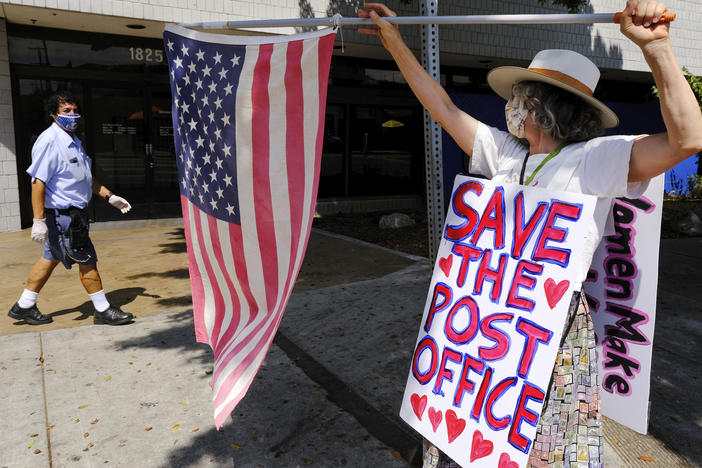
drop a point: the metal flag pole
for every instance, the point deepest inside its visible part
(338, 20)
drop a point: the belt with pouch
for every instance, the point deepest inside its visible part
(77, 232)
(62, 211)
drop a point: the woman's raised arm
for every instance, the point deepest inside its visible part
(654, 154)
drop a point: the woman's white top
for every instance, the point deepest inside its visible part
(598, 167)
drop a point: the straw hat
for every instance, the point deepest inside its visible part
(563, 68)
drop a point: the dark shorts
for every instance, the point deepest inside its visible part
(57, 246)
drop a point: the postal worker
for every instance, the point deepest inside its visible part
(554, 141)
(62, 186)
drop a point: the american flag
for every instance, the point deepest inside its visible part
(248, 118)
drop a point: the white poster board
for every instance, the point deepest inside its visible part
(492, 324)
(621, 292)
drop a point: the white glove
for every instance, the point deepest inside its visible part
(39, 231)
(120, 203)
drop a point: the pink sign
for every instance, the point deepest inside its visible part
(621, 292)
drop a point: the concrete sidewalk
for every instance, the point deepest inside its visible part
(328, 393)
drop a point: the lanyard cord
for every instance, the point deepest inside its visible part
(551, 155)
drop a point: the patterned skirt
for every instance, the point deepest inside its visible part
(569, 433)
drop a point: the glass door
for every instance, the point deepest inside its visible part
(119, 149)
(133, 150)
(161, 159)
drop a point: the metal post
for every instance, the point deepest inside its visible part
(432, 134)
(338, 20)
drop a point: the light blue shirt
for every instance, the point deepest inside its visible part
(59, 161)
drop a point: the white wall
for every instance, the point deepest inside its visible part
(602, 42)
(183, 10)
(9, 195)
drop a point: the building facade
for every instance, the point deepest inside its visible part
(110, 55)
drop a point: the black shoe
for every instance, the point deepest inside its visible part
(112, 316)
(32, 315)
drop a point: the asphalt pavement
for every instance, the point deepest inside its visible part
(329, 391)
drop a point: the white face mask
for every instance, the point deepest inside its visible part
(516, 114)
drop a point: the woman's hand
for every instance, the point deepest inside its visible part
(389, 33)
(640, 21)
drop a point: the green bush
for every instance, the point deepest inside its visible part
(694, 186)
(694, 81)
(685, 189)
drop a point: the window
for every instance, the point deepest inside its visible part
(386, 151)
(29, 45)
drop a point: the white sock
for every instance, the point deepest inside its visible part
(28, 299)
(99, 300)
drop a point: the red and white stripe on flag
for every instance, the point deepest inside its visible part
(249, 184)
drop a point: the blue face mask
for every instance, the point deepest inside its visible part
(68, 121)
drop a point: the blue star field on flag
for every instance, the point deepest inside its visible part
(204, 78)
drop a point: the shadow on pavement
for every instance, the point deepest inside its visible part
(207, 446)
(175, 247)
(176, 301)
(179, 273)
(676, 376)
(204, 445)
(287, 421)
(118, 297)
(179, 334)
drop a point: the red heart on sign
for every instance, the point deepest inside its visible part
(506, 462)
(480, 448)
(554, 292)
(418, 404)
(445, 264)
(454, 425)
(434, 417)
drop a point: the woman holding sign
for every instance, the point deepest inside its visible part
(554, 142)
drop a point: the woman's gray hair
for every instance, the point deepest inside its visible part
(562, 115)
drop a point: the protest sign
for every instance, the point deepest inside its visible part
(491, 328)
(621, 293)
